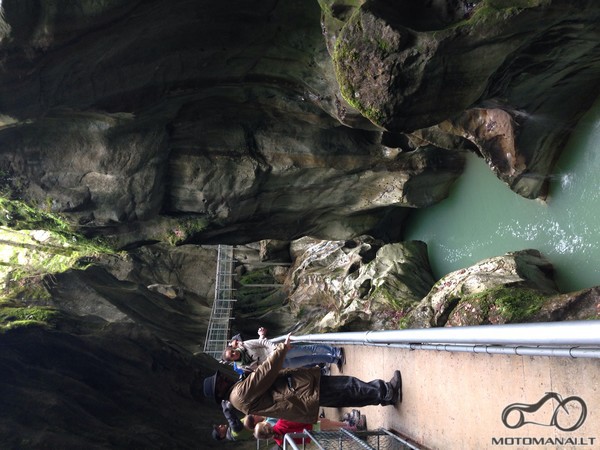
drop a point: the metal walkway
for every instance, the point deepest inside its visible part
(217, 334)
(529, 386)
(485, 387)
(343, 439)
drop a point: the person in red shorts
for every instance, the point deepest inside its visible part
(264, 430)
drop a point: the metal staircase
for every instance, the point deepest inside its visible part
(217, 334)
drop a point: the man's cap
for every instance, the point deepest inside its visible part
(210, 384)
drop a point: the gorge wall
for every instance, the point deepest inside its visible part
(163, 127)
(235, 123)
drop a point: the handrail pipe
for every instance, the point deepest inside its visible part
(576, 339)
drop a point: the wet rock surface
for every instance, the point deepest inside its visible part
(146, 116)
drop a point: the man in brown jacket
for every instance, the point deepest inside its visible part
(297, 394)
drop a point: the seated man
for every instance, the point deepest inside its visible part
(297, 394)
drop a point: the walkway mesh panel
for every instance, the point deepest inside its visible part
(345, 440)
(217, 334)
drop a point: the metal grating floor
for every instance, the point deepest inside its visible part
(344, 440)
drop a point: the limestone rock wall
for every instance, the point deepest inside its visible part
(195, 121)
(357, 284)
(94, 384)
(364, 284)
(412, 65)
(199, 122)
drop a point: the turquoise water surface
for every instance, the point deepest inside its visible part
(482, 217)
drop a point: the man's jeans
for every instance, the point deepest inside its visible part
(310, 355)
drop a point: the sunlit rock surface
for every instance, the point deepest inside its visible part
(358, 284)
(454, 299)
(362, 284)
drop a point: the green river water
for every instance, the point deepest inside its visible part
(482, 217)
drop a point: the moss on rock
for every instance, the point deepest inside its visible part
(496, 306)
(36, 243)
(13, 317)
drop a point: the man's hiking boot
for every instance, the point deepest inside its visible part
(396, 383)
(394, 390)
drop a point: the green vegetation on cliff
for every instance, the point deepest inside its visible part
(36, 243)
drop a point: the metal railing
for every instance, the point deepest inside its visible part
(575, 339)
(343, 439)
(217, 334)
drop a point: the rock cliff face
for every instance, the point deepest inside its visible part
(147, 118)
(356, 285)
(366, 284)
(213, 123)
(154, 123)
(91, 384)
(497, 73)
